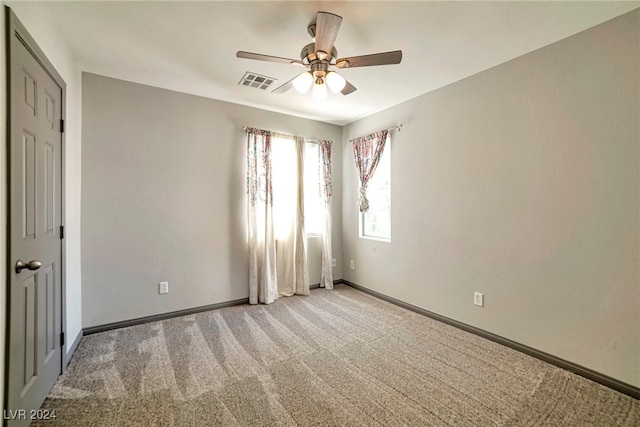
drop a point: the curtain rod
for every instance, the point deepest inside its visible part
(244, 128)
(396, 127)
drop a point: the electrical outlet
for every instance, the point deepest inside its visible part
(163, 287)
(352, 265)
(334, 262)
(478, 299)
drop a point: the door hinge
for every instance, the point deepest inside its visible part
(61, 232)
(61, 125)
(61, 339)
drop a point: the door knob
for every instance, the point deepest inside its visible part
(31, 265)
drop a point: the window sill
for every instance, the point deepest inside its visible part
(377, 239)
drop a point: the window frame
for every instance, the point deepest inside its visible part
(318, 233)
(361, 215)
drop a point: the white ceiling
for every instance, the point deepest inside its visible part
(190, 46)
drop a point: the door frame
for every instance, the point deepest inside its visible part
(15, 28)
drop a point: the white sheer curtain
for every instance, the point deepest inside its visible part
(275, 216)
(324, 156)
(291, 237)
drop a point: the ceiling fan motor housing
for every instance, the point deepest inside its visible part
(308, 55)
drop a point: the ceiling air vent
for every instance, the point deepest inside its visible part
(256, 80)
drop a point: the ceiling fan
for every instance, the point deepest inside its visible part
(319, 56)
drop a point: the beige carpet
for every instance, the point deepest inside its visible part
(335, 358)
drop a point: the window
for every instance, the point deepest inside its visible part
(285, 182)
(376, 222)
(312, 200)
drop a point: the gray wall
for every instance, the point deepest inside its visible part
(520, 182)
(163, 198)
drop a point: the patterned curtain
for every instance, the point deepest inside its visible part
(263, 283)
(277, 251)
(367, 151)
(324, 154)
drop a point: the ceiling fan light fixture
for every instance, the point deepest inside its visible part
(303, 82)
(335, 81)
(319, 91)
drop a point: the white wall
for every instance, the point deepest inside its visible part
(34, 17)
(163, 198)
(520, 182)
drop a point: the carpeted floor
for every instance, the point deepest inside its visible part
(335, 358)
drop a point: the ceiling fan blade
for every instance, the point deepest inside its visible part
(269, 58)
(327, 26)
(284, 87)
(384, 58)
(348, 88)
